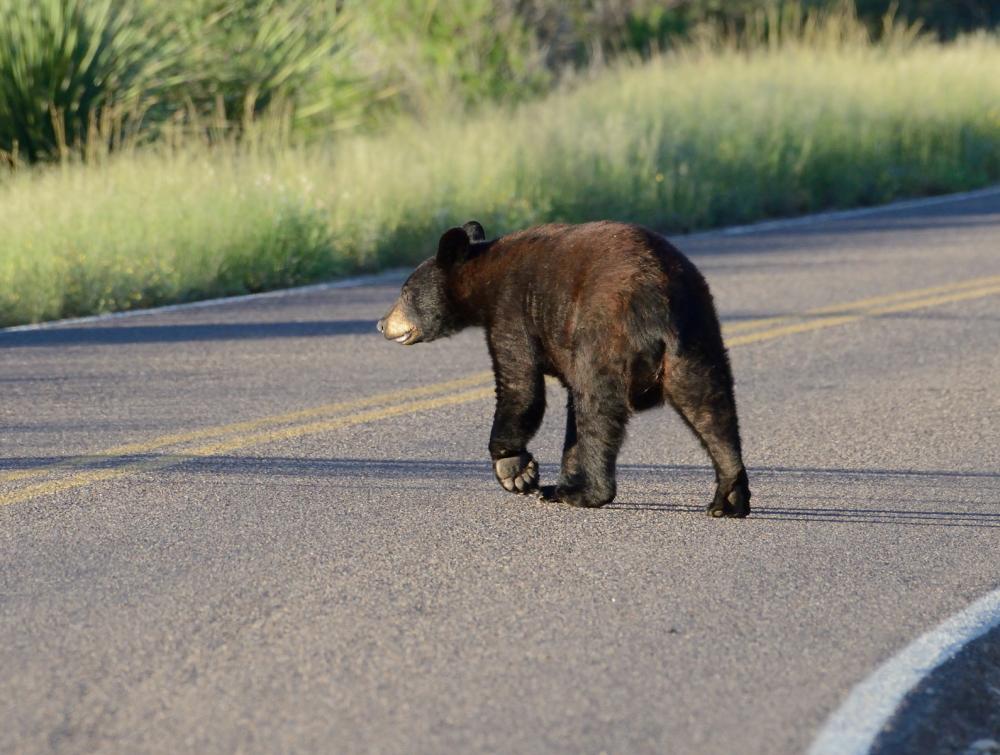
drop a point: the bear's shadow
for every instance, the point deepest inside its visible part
(926, 511)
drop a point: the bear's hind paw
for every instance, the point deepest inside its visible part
(736, 505)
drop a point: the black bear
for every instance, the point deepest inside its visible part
(617, 314)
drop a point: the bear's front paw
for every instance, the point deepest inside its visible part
(517, 474)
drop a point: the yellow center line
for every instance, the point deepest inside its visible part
(904, 302)
(82, 479)
(131, 449)
(322, 426)
(829, 322)
(788, 330)
(935, 301)
(863, 304)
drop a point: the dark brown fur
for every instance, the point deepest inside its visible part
(618, 315)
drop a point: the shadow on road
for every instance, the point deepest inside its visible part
(911, 517)
(126, 334)
(916, 516)
(116, 334)
(925, 511)
(459, 467)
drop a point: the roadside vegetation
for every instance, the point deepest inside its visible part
(330, 140)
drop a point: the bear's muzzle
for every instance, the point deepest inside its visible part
(396, 326)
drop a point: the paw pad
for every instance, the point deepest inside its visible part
(517, 474)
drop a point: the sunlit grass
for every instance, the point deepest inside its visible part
(692, 140)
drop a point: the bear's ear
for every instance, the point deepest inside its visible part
(453, 247)
(475, 230)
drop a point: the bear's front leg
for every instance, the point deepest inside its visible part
(519, 411)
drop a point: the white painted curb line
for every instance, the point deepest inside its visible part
(391, 276)
(822, 217)
(853, 727)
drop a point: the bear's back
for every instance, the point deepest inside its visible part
(601, 280)
(592, 262)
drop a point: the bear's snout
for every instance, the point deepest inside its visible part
(397, 326)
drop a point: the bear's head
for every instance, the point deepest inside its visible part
(424, 310)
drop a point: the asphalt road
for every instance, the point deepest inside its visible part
(955, 706)
(213, 538)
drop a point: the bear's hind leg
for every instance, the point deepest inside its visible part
(570, 464)
(702, 393)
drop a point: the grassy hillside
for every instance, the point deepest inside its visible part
(704, 136)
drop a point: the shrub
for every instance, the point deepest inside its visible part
(243, 58)
(64, 62)
(94, 73)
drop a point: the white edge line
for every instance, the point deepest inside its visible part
(396, 275)
(860, 212)
(854, 726)
(391, 276)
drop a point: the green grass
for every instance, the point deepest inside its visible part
(695, 139)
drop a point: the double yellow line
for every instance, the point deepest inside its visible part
(841, 314)
(239, 435)
(120, 461)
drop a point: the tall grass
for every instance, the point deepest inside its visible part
(700, 137)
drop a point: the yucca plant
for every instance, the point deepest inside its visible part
(247, 56)
(65, 64)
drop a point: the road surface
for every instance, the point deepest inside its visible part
(259, 527)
